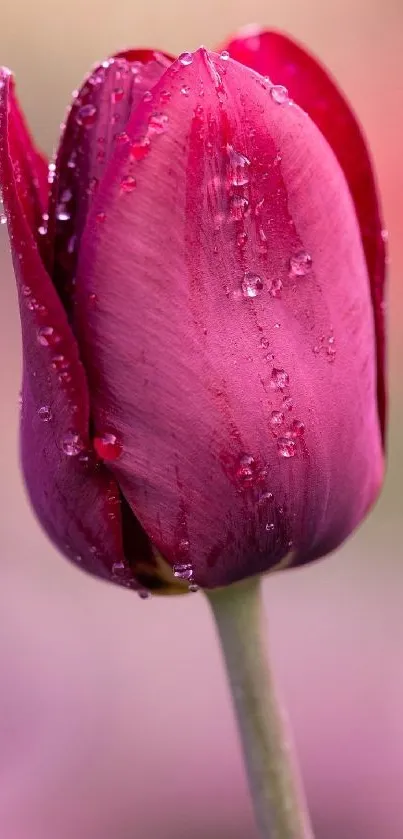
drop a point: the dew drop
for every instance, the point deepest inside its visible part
(251, 284)
(185, 90)
(279, 94)
(279, 379)
(242, 239)
(224, 55)
(59, 362)
(128, 183)
(270, 526)
(275, 288)
(276, 418)
(183, 570)
(297, 428)
(239, 206)
(300, 264)
(100, 217)
(72, 444)
(86, 115)
(107, 446)
(158, 123)
(47, 337)
(287, 403)
(3, 218)
(44, 413)
(118, 94)
(165, 95)
(238, 167)
(246, 469)
(147, 96)
(62, 214)
(186, 58)
(264, 343)
(286, 447)
(144, 594)
(193, 587)
(92, 298)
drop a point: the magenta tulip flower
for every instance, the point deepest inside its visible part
(201, 283)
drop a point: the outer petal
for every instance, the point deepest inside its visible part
(95, 124)
(31, 171)
(287, 63)
(187, 366)
(76, 500)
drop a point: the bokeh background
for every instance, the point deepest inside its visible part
(115, 719)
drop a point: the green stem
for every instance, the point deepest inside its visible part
(275, 786)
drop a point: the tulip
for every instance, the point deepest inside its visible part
(200, 275)
(202, 314)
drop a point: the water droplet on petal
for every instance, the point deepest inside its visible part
(185, 90)
(165, 95)
(3, 218)
(287, 403)
(100, 217)
(86, 115)
(238, 208)
(286, 447)
(144, 594)
(276, 418)
(193, 587)
(238, 167)
(72, 444)
(279, 94)
(44, 413)
(186, 58)
(183, 570)
(158, 123)
(147, 96)
(224, 55)
(242, 239)
(297, 428)
(269, 526)
(128, 183)
(246, 469)
(252, 284)
(300, 264)
(264, 343)
(47, 336)
(107, 446)
(279, 379)
(118, 94)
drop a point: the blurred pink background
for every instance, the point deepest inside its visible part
(115, 719)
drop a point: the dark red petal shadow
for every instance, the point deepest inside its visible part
(310, 85)
(95, 124)
(76, 500)
(188, 371)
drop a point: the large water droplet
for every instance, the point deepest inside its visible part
(300, 264)
(72, 444)
(47, 336)
(224, 55)
(107, 446)
(279, 94)
(238, 167)
(86, 115)
(251, 284)
(45, 413)
(279, 379)
(286, 447)
(186, 58)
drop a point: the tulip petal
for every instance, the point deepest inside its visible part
(231, 346)
(310, 85)
(76, 500)
(31, 173)
(95, 124)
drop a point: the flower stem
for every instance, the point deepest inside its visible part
(274, 782)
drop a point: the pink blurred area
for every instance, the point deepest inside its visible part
(115, 719)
